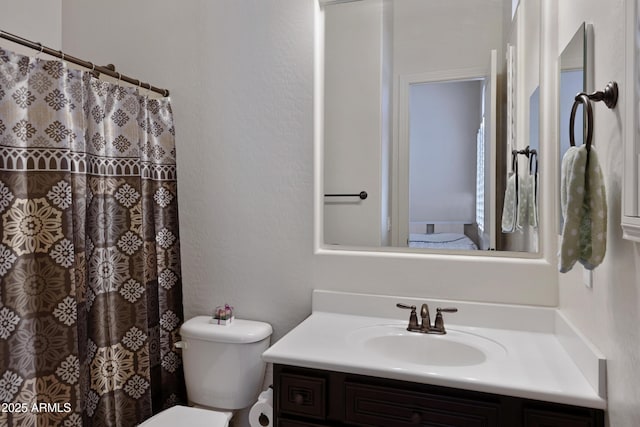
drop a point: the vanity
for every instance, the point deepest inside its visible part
(497, 365)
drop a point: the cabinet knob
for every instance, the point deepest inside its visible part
(298, 399)
(416, 418)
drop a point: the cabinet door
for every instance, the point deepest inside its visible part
(381, 406)
(302, 395)
(292, 423)
(544, 418)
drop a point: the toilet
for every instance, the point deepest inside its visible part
(223, 371)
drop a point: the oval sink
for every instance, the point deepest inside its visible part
(456, 348)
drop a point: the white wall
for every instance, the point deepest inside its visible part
(417, 23)
(354, 64)
(387, 122)
(608, 314)
(44, 27)
(444, 121)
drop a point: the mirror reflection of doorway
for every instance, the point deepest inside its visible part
(447, 173)
(446, 153)
(445, 127)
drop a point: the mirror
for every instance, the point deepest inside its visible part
(574, 78)
(421, 114)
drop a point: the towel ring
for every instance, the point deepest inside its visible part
(610, 98)
(581, 98)
(529, 152)
(533, 163)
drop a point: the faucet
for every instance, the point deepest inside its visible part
(425, 327)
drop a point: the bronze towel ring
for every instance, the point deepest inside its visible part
(610, 98)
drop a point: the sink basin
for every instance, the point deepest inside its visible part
(456, 348)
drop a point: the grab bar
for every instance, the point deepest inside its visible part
(363, 195)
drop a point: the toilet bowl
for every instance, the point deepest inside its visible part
(223, 369)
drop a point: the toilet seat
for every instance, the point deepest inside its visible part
(188, 416)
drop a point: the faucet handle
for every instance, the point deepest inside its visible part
(426, 320)
(438, 326)
(413, 318)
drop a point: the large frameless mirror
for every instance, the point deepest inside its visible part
(575, 77)
(424, 104)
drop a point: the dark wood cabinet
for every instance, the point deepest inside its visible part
(303, 395)
(559, 417)
(293, 423)
(378, 405)
(314, 398)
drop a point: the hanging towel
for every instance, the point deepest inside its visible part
(525, 190)
(517, 210)
(532, 201)
(510, 206)
(584, 208)
(533, 189)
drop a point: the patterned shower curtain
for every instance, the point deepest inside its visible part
(90, 295)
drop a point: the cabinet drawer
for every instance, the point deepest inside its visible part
(388, 407)
(291, 423)
(303, 395)
(551, 418)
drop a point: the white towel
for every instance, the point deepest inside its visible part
(532, 200)
(527, 215)
(510, 206)
(520, 207)
(584, 208)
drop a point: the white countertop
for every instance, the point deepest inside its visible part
(535, 364)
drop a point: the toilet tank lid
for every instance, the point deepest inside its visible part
(240, 331)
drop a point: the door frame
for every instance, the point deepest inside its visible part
(400, 173)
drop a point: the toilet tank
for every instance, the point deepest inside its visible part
(223, 367)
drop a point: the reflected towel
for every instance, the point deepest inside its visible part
(527, 203)
(532, 202)
(584, 208)
(519, 209)
(510, 206)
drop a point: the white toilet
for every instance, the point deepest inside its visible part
(223, 371)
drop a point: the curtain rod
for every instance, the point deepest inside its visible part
(86, 64)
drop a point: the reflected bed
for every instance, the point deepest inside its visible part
(441, 241)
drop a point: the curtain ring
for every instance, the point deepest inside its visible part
(40, 51)
(119, 78)
(581, 98)
(93, 71)
(61, 55)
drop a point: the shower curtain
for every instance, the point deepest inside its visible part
(90, 295)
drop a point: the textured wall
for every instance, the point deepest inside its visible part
(18, 18)
(609, 313)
